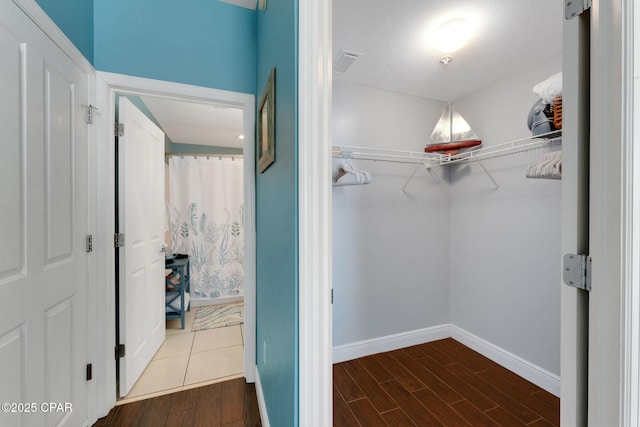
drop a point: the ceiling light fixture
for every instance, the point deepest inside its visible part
(452, 35)
(240, 136)
(445, 60)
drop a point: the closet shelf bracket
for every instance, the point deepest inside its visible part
(489, 175)
(415, 170)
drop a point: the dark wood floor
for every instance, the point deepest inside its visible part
(227, 404)
(442, 383)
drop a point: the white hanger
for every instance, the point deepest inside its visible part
(350, 175)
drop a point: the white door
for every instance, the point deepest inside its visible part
(43, 227)
(141, 259)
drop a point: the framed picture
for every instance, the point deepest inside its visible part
(266, 132)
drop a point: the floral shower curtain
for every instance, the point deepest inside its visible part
(207, 222)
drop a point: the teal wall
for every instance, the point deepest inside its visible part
(198, 42)
(277, 219)
(176, 148)
(75, 19)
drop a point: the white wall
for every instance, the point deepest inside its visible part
(390, 249)
(505, 246)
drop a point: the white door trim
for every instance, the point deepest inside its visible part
(631, 217)
(613, 304)
(314, 213)
(107, 85)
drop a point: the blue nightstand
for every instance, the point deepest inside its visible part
(177, 286)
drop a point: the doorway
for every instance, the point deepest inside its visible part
(200, 218)
(109, 87)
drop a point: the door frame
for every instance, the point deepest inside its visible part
(614, 388)
(102, 183)
(315, 384)
(631, 274)
(614, 232)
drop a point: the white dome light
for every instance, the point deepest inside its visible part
(452, 35)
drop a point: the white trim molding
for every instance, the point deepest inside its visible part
(342, 353)
(631, 217)
(315, 401)
(103, 175)
(527, 370)
(262, 405)
(611, 190)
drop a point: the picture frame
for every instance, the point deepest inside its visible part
(266, 117)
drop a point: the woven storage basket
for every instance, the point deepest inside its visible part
(557, 112)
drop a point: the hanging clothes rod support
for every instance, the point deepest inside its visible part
(411, 177)
(489, 175)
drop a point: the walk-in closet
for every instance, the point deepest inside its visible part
(456, 245)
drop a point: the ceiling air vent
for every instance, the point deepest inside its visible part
(345, 60)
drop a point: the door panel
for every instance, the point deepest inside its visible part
(60, 358)
(141, 211)
(11, 174)
(12, 369)
(43, 265)
(58, 141)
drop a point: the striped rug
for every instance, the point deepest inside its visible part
(218, 316)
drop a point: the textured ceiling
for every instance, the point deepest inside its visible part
(195, 123)
(510, 35)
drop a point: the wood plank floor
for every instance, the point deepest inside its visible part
(442, 383)
(226, 404)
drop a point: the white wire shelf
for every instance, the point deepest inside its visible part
(504, 149)
(384, 155)
(428, 160)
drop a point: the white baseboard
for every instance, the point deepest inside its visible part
(201, 302)
(264, 416)
(537, 375)
(342, 353)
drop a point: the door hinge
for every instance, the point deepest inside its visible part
(573, 8)
(90, 110)
(118, 240)
(331, 296)
(89, 372)
(119, 129)
(89, 243)
(577, 271)
(120, 351)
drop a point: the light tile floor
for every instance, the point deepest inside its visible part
(191, 359)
